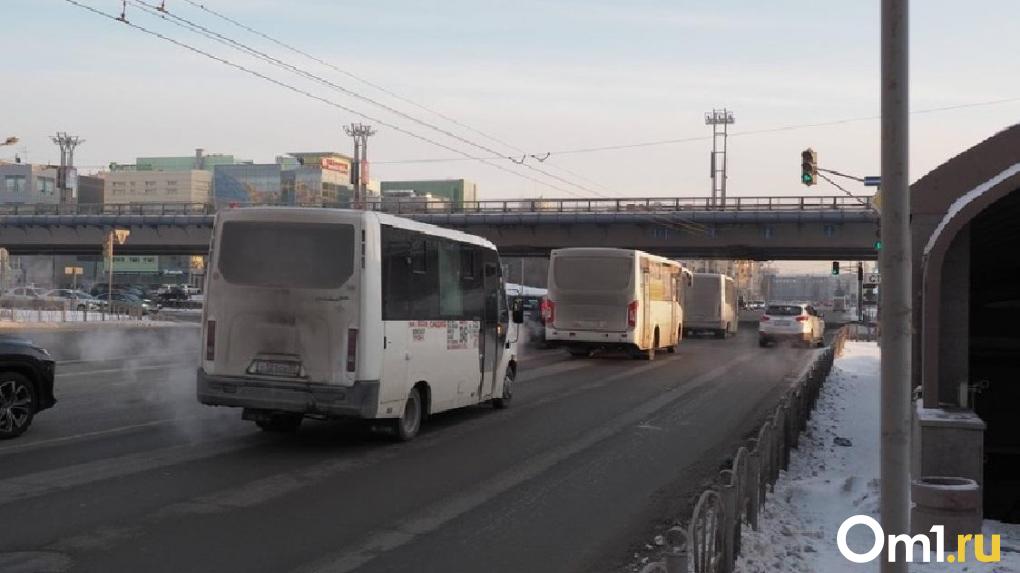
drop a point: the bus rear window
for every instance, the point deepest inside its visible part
(592, 273)
(287, 255)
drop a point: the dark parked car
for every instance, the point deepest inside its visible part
(26, 384)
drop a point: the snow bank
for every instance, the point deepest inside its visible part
(828, 482)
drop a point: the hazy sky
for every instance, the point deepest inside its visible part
(544, 75)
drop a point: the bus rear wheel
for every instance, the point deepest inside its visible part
(406, 427)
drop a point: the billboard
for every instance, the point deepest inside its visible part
(335, 164)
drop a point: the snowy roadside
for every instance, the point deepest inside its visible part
(833, 475)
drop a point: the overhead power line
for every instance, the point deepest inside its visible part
(384, 90)
(309, 94)
(162, 13)
(179, 21)
(662, 142)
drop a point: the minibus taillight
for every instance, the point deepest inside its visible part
(210, 340)
(632, 314)
(548, 311)
(352, 349)
(764, 317)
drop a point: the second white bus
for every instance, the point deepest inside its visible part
(712, 305)
(614, 299)
(334, 313)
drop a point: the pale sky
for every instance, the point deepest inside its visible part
(544, 75)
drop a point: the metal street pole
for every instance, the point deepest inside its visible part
(895, 269)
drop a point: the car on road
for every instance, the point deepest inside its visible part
(80, 300)
(24, 295)
(26, 384)
(147, 305)
(791, 322)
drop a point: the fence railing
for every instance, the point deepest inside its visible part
(69, 311)
(710, 540)
(540, 205)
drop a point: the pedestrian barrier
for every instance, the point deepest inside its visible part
(68, 311)
(710, 540)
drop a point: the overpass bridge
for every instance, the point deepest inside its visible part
(759, 228)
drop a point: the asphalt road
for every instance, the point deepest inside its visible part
(129, 473)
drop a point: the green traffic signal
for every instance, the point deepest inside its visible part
(878, 245)
(807, 179)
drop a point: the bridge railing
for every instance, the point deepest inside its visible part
(539, 205)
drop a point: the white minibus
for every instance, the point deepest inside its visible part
(331, 313)
(712, 305)
(614, 299)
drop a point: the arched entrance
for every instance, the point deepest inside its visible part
(970, 338)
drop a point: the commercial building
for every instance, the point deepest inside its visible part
(192, 186)
(92, 189)
(456, 191)
(25, 183)
(313, 178)
(198, 161)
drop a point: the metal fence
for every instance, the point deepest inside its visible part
(710, 540)
(540, 205)
(68, 311)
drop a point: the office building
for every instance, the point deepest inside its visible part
(25, 183)
(456, 191)
(191, 186)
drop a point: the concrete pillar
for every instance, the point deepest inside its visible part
(954, 318)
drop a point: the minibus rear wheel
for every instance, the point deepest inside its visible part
(406, 427)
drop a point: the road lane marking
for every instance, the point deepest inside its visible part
(42, 444)
(126, 369)
(45, 482)
(124, 358)
(437, 515)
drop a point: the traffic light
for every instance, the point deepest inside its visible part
(878, 239)
(835, 267)
(809, 167)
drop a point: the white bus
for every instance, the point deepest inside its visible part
(334, 313)
(712, 305)
(614, 299)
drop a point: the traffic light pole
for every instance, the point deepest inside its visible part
(895, 269)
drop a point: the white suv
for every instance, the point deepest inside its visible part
(795, 322)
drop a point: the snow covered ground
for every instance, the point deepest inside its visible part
(827, 483)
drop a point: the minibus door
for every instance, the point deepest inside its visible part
(489, 337)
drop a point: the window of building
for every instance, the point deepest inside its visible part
(15, 183)
(45, 185)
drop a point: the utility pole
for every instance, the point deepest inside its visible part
(67, 144)
(895, 269)
(860, 291)
(359, 171)
(719, 119)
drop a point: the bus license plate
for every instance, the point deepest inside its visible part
(275, 368)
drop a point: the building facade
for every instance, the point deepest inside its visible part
(92, 189)
(319, 178)
(24, 183)
(192, 186)
(199, 161)
(456, 191)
